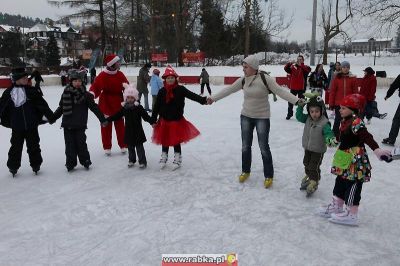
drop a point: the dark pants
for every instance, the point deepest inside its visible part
(177, 149)
(141, 154)
(371, 110)
(312, 162)
(394, 131)
(32, 147)
(202, 88)
(262, 126)
(153, 102)
(347, 190)
(75, 146)
(299, 94)
(336, 122)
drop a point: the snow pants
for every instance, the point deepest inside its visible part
(32, 139)
(75, 146)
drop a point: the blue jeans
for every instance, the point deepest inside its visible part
(262, 126)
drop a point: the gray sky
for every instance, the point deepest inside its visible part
(300, 29)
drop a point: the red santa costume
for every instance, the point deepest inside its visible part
(108, 87)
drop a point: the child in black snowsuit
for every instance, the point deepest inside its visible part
(74, 104)
(134, 134)
(22, 108)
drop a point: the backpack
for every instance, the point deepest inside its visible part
(262, 74)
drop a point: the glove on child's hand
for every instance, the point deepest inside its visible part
(104, 124)
(381, 154)
(332, 142)
(301, 102)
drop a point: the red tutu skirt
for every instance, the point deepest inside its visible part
(171, 133)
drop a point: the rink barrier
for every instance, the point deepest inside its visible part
(5, 82)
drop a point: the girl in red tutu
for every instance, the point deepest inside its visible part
(172, 128)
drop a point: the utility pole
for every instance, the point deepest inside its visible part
(313, 33)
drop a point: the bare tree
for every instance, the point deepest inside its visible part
(277, 21)
(334, 13)
(383, 12)
(86, 9)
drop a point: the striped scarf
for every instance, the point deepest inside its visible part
(72, 96)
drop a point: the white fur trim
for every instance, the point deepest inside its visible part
(113, 61)
(122, 104)
(111, 72)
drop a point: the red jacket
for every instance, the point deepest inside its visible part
(108, 87)
(341, 86)
(297, 75)
(368, 87)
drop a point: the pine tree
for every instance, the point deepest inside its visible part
(214, 39)
(52, 53)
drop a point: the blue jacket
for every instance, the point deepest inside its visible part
(156, 84)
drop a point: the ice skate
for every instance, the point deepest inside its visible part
(142, 166)
(243, 177)
(333, 207)
(13, 172)
(131, 164)
(177, 161)
(123, 150)
(163, 160)
(304, 183)
(345, 218)
(107, 152)
(312, 187)
(382, 116)
(36, 169)
(268, 182)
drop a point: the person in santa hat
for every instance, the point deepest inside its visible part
(108, 87)
(172, 128)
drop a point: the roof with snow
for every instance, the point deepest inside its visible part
(373, 39)
(57, 27)
(14, 28)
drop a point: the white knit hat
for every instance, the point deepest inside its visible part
(252, 61)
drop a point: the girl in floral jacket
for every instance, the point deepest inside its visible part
(351, 164)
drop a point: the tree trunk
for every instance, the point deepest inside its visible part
(102, 26)
(325, 55)
(247, 28)
(115, 34)
(138, 25)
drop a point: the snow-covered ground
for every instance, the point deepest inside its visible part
(112, 215)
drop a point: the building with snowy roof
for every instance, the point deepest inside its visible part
(369, 45)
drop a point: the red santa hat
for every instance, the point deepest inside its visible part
(111, 59)
(169, 71)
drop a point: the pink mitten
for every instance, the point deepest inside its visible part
(381, 153)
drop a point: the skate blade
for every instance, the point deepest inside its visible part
(348, 223)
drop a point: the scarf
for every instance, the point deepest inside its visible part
(72, 96)
(18, 96)
(169, 88)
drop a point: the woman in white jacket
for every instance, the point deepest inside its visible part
(255, 114)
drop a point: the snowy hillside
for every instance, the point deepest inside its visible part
(112, 215)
